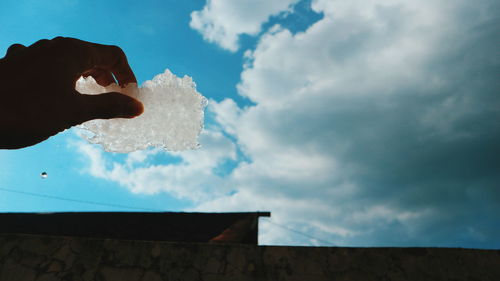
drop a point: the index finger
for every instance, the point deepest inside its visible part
(96, 56)
(113, 59)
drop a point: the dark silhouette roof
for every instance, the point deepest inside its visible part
(153, 226)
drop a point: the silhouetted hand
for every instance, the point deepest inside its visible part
(37, 88)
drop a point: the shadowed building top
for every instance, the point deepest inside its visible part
(157, 226)
(62, 250)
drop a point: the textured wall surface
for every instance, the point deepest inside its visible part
(45, 258)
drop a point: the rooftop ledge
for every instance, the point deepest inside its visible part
(173, 246)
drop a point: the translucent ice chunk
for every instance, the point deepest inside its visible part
(172, 118)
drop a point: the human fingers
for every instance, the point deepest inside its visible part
(113, 59)
(89, 56)
(14, 49)
(101, 76)
(107, 106)
(41, 42)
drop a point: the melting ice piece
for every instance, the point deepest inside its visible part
(172, 117)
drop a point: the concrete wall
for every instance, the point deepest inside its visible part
(45, 258)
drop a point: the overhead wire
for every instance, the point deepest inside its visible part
(302, 233)
(77, 200)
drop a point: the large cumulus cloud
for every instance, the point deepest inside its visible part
(378, 125)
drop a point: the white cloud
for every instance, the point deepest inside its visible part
(184, 180)
(223, 21)
(350, 114)
(353, 136)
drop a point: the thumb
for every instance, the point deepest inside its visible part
(108, 105)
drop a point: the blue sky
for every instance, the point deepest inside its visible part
(358, 123)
